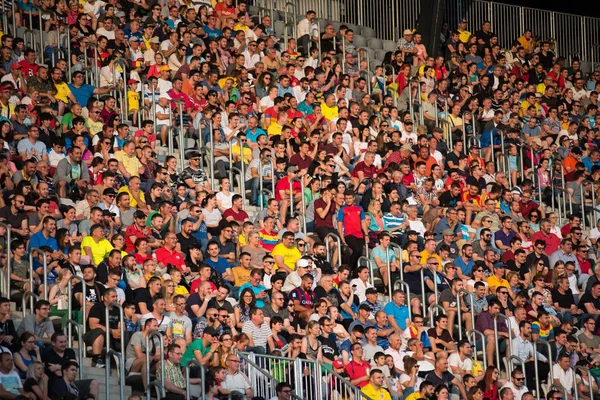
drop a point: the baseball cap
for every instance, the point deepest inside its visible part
(412, 233)
(165, 68)
(475, 147)
(371, 291)
(134, 39)
(107, 213)
(209, 330)
(365, 307)
(499, 266)
(448, 232)
(292, 168)
(155, 40)
(16, 66)
(302, 263)
(109, 191)
(129, 81)
(337, 364)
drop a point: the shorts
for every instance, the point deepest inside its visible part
(90, 336)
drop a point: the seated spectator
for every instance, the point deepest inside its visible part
(135, 354)
(39, 324)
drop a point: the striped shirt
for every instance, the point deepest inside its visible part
(259, 334)
(392, 222)
(268, 240)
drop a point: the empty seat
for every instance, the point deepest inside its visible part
(359, 41)
(380, 55)
(375, 44)
(253, 10)
(279, 28)
(336, 25)
(368, 32)
(324, 22)
(389, 45)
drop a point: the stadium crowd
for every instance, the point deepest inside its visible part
(374, 157)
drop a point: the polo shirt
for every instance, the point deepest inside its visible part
(552, 241)
(356, 370)
(132, 230)
(400, 313)
(173, 257)
(351, 217)
(372, 393)
(493, 281)
(188, 354)
(239, 216)
(38, 240)
(131, 164)
(503, 237)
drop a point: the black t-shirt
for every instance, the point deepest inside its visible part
(447, 200)
(143, 296)
(329, 347)
(445, 336)
(51, 357)
(29, 384)
(112, 45)
(588, 298)
(563, 300)
(15, 220)
(93, 293)
(99, 311)
(186, 243)
(193, 300)
(333, 296)
(445, 379)
(451, 157)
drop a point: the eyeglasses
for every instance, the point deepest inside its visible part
(479, 270)
(269, 262)
(301, 244)
(503, 292)
(519, 379)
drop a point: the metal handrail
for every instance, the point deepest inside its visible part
(291, 181)
(261, 184)
(5, 285)
(32, 296)
(80, 345)
(394, 92)
(186, 368)
(45, 266)
(432, 307)
(535, 363)
(502, 316)
(459, 312)
(70, 304)
(512, 359)
(258, 368)
(369, 264)
(365, 51)
(160, 386)
(339, 247)
(242, 182)
(400, 284)
(423, 295)
(118, 354)
(474, 332)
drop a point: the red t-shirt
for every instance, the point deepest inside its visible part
(225, 11)
(526, 209)
(196, 282)
(284, 184)
(356, 370)
(240, 216)
(29, 70)
(132, 230)
(351, 217)
(552, 241)
(369, 171)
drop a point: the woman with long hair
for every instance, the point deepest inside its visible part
(68, 221)
(168, 292)
(242, 310)
(409, 378)
(475, 393)
(319, 310)
(310, 344)
(440, 392)
(240, 342)
(223, 351)
(477, 275)
(263, 84)
(489, 383)
(36, 381)
(29, 353)
(171, 166)
(141, 250)
(59, 296)
(224, 196)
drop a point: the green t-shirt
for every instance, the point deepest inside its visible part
(188, 355)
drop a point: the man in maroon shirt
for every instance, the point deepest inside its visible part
(527, 206)
(574, 222)
(364, 170)
(335, 148)
(552, 241)
(235, 213)
(302, 159)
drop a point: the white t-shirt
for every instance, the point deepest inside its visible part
(595, 233)
(465, 365)
(565, 377)
(225, 200)
(360, 288)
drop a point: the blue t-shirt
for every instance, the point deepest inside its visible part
(220, 266)
(82, 94)
(400, 314)
(466, 268)
(38, 240)
(212, 33)
(253, 137)
(260, 303)
(379, 252)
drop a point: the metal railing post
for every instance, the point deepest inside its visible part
(261, 189)
(303, 213)
(589, 379)
(502, 316)
(362, 260)
(150, 384)
(400, 284)
(471, 296)
(432, 307)
(31, 296)
(535, 363)
(423, 295)
(364, 50)
(398, 251)
(474, 333)
(70, 304)
(512, 359)
(193, 361)
(80, 344)
(45, 266)
(117, 354)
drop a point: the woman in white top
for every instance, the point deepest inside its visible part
(212, 215)
(224, 196)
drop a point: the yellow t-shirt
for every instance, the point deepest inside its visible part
(247, 153)
(541, 88)
(99, 250)
(329, 112)
(133, 100)
(95, 127)
(131, 164)
(464, 35)
(274, 129)
(290, 256)
(62, 92)
(241, 275)
(492, 281)
(380, 394)
(132, 202)
(179, 289)
(425, 255)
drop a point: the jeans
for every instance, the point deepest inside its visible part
(254, 185)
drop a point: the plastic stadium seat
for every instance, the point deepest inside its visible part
(279, 28)
(336, 25)
(380, 55)
(253, 10)
(368, 32)
(375, 44)
(355, 28)
(389, 45)
(324, 22)
(374, 66)
(359, 41)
